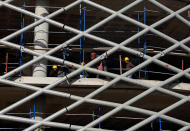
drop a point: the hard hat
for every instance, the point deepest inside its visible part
(82, 63)
(54, 67)
(126, 59)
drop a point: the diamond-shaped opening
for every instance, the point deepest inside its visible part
(181, 59)
(114, 5)
(85, 113)
(180, 112)
(185, 14)
(11, 22)
(58, 36)
(12, 125)
(81, 17)
(116, 30)
(127, 65)
(146, 13)
(174, 4)
(11, 95)
(155, 101)
(174, 28)
(41, 106)
(157, 72)
(123, 120)
(7, 22)
(120, 92)
(149, 43)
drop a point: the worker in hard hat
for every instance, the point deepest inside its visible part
(54, 71)
(84, 73)
(54, 67)
(129, 65)
(126, 59)
(82, 63)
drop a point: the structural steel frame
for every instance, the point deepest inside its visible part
(116, 78)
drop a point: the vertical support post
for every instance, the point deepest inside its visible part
(139, 42)
(160, 121)
(99, 114)
(41, 35)
(41, 39)
(80, 30)
(120, 61)
(93, 116)
(182, 64)
(6, 62)
(21, 39)
(34, 112)
(83, 48)
(84, 28)
(145, 40)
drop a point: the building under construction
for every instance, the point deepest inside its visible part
(94, 65)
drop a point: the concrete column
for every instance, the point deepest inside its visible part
(41, 39)
(41, 42)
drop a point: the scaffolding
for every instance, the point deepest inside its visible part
(82, 34)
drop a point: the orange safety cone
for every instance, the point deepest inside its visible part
(100, 67)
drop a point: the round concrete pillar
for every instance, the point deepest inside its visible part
(41, 40)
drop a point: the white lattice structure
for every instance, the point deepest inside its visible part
(116, 78)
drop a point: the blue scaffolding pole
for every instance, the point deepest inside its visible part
(93, 118)
(84, 28)
(83, 50)
(21, 39)
(34, 111)
(139, 42)
(99, 115)
(160, 121)
(145, 44)
(80, 30)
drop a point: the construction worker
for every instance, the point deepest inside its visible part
(84, 73)
(54, 67)
(92, 57)
(129, 65)
(54, 71)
